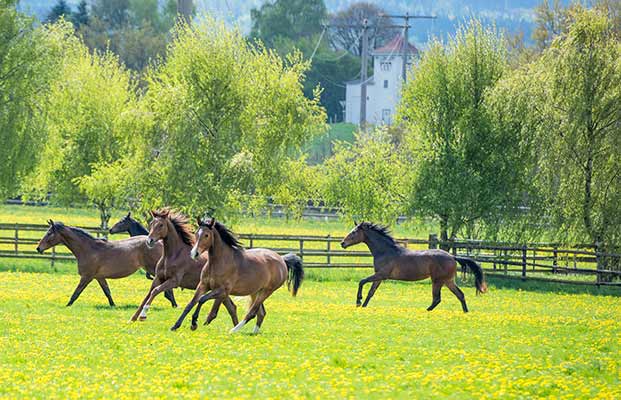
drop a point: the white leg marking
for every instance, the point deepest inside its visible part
(143, 313)
(256, 329)
(239, 326)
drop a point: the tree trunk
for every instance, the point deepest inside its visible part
(444, 238)
(184, 9)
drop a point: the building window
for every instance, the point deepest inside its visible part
(385, 66)
(385, 83)
(386, 115)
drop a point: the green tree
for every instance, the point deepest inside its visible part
(578, 98)
(224, 116)
(60, 9)
(300, 183)
(366, 179)
(88, 120)
(30, 59)
(462, 166)
(80, 16)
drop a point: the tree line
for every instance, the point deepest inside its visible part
(495, 139)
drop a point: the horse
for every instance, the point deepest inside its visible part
(392, 261)
(232, 270)
(176, 268)
(134, 228)
(100, 259)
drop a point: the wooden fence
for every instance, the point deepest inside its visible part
(540, 261)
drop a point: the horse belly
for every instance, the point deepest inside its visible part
(403, 273)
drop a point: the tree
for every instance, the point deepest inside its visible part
(462, 166)
(105, 187)
(300, 184)
(579, 99)
(60, 9)
(30, 59)
(293, 19)
(223, 118)
(80, 17)
(88, 120)
(366, 179)
(343, 34)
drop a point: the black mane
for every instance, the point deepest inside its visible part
(379, 229)
(226, 234)
(79, 231)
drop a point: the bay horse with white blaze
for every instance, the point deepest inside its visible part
(176, 268)
(232, 270)
(392, 261)
(98, 258)
(134, 228)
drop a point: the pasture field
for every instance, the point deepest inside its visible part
(513, 344)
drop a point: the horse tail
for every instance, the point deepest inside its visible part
(295, 272)
(479, 276)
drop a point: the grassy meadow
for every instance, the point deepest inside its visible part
(513, 344)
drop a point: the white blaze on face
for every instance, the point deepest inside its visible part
(194, 251)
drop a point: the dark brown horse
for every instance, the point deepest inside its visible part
(134, 228)
(232, 270)
(176, 268)
(392, 261)
(100, 259)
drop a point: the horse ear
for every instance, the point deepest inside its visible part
(199, 221)
(355, 223)
(212, 222)
(129, 214)
(152, 213)
(166, 213)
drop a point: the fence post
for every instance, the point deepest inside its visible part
(598, 264)
(328, 251)
(433, 241)
(53, 258)
(524, 250)
(302, 249)
(251, 241)
(555, 259)
(16, 238)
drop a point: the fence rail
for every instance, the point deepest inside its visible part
(539, 261)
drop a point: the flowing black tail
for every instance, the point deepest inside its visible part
(479, 277)
(296, 272)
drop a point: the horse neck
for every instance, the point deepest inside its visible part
(219, 250)
(135, 229)
(380, 245)
(78, 246)
(172, 241)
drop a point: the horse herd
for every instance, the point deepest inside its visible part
(215, 264)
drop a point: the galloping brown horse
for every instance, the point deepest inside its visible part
(392, 261)
(176, 268)
(232, 270)
(100, 259)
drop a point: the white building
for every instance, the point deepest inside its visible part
(384, 87)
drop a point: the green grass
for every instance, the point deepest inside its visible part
(513, 344)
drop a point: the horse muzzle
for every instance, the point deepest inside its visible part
(194, 254)
(150, 242)
(39, 250)
(343, 244)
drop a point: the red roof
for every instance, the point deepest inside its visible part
(395, 47)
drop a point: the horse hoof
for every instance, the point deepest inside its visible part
(141, 318)
(193, 327)
(358, 304)
(173, 328)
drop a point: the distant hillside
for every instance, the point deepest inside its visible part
(513, 16)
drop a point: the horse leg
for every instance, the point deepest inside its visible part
(171, 297)
(154, 284)
(214, 294)
(232, 309)
(84, 281)
(214, 311)
(254, 309)
(200, 290)
(372, 278)
(435, 291)
(168, 284)
(374, 287)
(106, 290)
(260, 316)
(458, 293)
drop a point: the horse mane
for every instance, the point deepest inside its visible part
(180, 222)
(382, 230)
(226, 234)
(79, 231)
